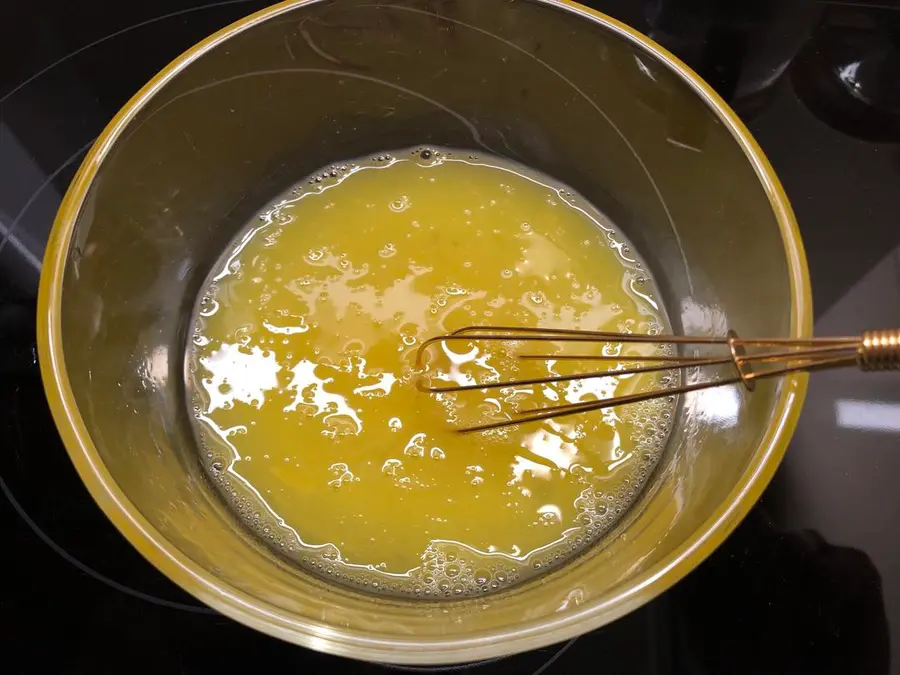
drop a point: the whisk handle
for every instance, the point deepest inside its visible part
(879, 350)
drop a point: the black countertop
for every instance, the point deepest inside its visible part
(809, 583)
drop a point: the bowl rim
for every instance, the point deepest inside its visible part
(266, 618)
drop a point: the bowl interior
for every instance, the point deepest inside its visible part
(305, 84)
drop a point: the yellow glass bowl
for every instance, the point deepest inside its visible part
(258, 105)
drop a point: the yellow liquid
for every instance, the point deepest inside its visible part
(303, 389)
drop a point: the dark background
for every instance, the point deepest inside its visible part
(809, 583)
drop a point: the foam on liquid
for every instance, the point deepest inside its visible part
(301, 381)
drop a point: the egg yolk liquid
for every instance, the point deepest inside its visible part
(302, 384)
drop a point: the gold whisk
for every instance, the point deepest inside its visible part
(752, 360)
